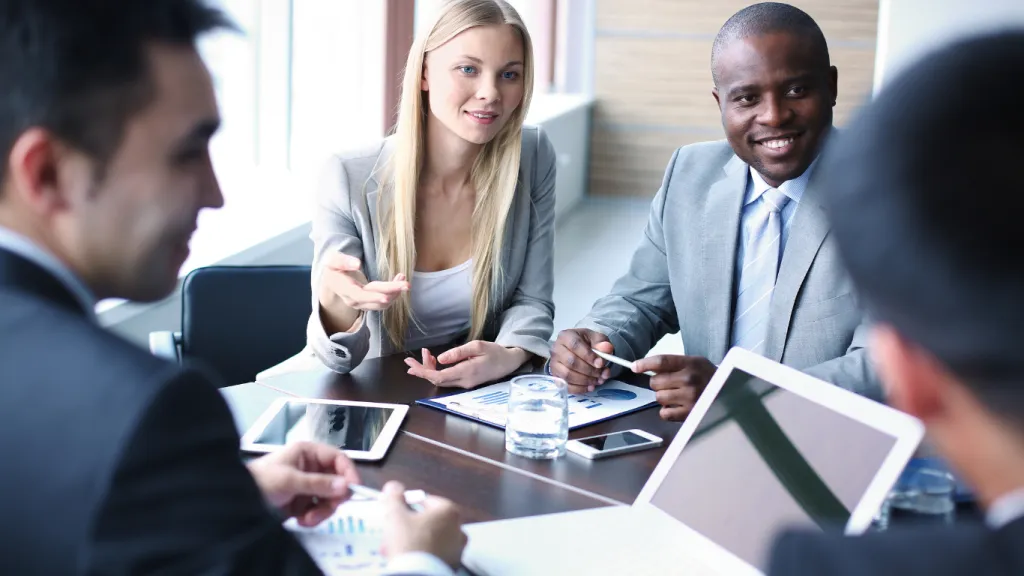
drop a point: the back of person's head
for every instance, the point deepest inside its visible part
(922, 194)
(494, 174)
(78, 67)
(85, 116)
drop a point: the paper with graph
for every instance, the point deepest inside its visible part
(490, 403)
(348, 542)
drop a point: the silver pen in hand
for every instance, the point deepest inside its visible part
(621, 362)
(413, 498)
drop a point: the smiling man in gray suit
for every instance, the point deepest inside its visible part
(737, 250)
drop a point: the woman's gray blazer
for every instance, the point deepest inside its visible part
(346, 220)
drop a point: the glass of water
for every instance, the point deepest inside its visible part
(922, 495)
(538, 416)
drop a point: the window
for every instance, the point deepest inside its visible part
(337, 78)
(232, 59)
(301, 81)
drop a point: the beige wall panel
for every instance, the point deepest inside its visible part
(633, 162)
(856, 70)
(679, 94)
(849, 20)
(653, 80)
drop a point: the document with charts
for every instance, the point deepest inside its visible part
(348, 542)
(490, 403)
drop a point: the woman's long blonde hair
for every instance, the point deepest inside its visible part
(494, 174)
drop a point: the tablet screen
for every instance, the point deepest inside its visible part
(764, 458)
(347, 427)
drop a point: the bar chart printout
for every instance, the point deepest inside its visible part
(490, 403)
(348, 542)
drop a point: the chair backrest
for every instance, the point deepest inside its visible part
(240, 320)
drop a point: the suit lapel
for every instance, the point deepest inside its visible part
(372, 205)
(372, 194)
(25, 276)
(719, 236)
(806, 234)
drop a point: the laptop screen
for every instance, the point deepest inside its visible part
(763, 459)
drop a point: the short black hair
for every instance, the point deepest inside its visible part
(768, 18)
(922, 190)
(78, 68)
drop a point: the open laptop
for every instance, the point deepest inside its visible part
(765, 448)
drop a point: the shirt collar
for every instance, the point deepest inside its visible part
(29, 250)
(1006, 509)
(793, 189)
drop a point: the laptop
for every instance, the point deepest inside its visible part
(765, 448)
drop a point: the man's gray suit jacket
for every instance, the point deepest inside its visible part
(681, 278)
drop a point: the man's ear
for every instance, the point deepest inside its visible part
(833, 83)
(41, 171)
(913, 379)
(718, 102)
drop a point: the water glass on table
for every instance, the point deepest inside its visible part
(922, 495)
(538, 416)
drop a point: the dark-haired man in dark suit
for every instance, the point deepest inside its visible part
(923, 193)
(115, 462)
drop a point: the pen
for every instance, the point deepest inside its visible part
(412, 497)
(616, 360)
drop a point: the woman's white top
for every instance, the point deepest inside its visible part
(440, 305)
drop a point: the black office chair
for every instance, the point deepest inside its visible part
(239, 320)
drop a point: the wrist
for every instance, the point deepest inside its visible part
(518, 356)
(256, 470)
(336, 316)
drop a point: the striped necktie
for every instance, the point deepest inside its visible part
(757, 279)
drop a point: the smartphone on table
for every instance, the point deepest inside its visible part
(605, 445)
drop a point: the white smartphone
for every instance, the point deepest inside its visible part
(604, 445)
(616, 360)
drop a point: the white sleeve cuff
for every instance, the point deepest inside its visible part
(418, 564)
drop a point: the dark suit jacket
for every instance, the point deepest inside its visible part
(113, 461)
(968, 550)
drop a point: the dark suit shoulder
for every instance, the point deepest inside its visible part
(970, 549)
(69, 336)
(181, 465)
(78, 394)
(60, 359)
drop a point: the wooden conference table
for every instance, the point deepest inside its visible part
(463, 460)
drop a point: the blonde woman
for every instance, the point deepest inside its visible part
(444, 231)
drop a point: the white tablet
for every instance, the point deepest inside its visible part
(364, 430)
